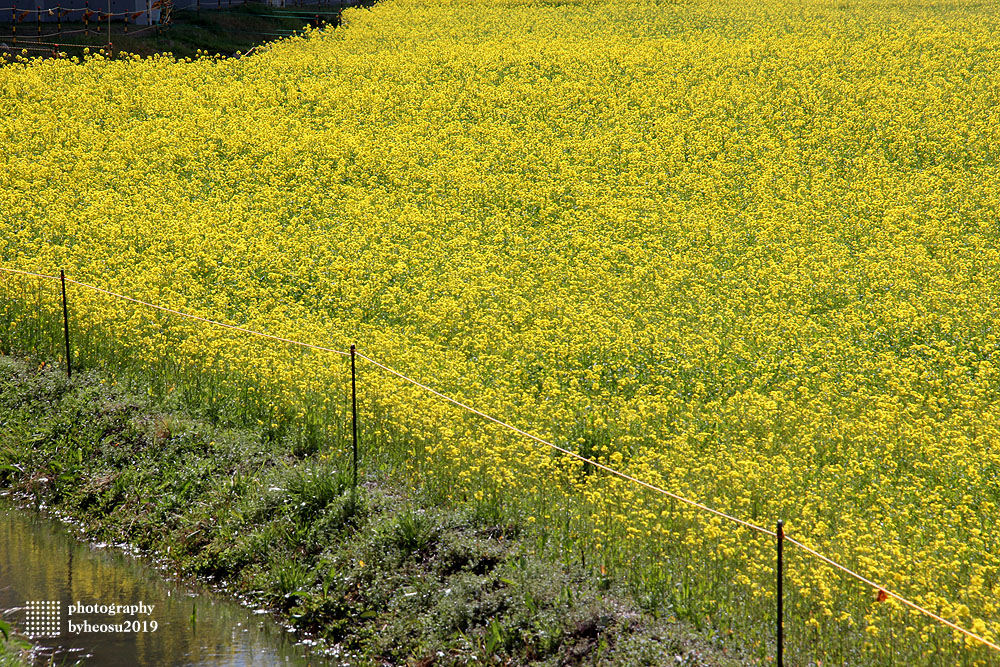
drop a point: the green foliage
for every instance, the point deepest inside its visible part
(14, 650)
(413, 532)
(311, 488)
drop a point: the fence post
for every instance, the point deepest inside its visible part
(354, 418)
(69, 367)
(779, 659)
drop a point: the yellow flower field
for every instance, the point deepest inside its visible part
(746, 251)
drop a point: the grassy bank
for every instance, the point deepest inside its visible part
(382, 575)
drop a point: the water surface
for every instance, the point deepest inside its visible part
(41, 560)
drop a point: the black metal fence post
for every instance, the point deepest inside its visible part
(69, 367)
(779, 658)
(354, 417)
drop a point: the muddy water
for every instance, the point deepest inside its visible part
(40, 560)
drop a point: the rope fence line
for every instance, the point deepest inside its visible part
(68, 10)
(693, 503)
(883, 589)
(65, 12)
(49, 46)
(35, 40)
(59, 34)
(180, 312)
(131, 33)
(28, 273)
(259, 334)
(596, 464)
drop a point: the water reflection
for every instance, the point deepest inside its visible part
(40, 560)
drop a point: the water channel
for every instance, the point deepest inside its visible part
(41, 560)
